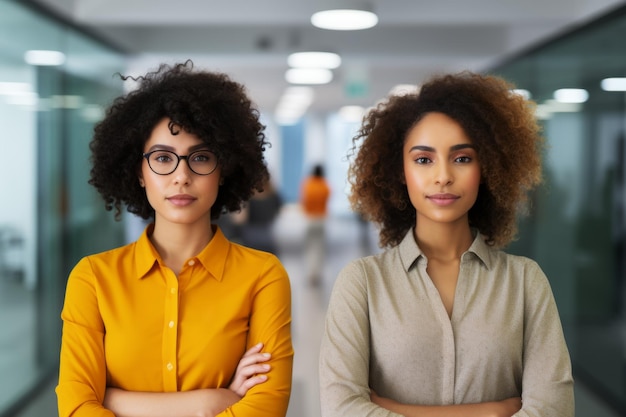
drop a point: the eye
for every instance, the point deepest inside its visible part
(463, 159)
(203, 157)
(422, 160)
(162, 157)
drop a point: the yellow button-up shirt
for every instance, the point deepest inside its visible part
(130, 323)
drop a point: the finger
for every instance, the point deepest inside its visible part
(254, 349)
(242, 389)
(252, 370)
(254, 358)
(242, 385)
(255, 380)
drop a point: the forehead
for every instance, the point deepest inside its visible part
(162, 135)
(437, 129)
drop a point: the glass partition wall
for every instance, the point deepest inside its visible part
(49, 216)
(577, 229)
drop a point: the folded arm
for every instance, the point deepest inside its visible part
(505, 408)
(251, 371)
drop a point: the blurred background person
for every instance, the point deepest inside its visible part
(254, 224)
(314, 196)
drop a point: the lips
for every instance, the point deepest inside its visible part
(443, 199)
(181, 200)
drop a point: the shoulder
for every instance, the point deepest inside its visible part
(518, 268)
(514, 262)
(369, 269)
(108, 257)
(244, 257)
(104, 268)
(239, 250)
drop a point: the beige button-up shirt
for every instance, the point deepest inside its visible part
(387, 329)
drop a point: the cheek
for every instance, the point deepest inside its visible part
(413, 181)
(473, 181)
(152, 184)
(476, 178)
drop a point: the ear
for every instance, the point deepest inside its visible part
(140, 177)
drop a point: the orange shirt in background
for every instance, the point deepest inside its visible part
(314, 196)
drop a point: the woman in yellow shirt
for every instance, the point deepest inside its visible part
(181, 322)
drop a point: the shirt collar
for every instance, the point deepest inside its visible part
(145, 254)
(410, 252)
(212, 257)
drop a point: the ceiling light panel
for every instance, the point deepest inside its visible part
(309, 76)
(344, 19)
(328, 60)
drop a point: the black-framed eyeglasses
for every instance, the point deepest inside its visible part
(202, 162)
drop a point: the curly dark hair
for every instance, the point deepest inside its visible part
(207, 104)
(500, 123)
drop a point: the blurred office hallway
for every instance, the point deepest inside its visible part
(576, 230)
(344, 242)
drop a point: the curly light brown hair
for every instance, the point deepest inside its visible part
(207, 104)
(500, 123)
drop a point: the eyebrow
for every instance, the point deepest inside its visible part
(172, 149)
(452, 148)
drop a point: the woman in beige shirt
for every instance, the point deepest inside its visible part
(444, 323)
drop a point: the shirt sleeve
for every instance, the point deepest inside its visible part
(270, 323)
(345, 350)
(82, 371)
(547, 383)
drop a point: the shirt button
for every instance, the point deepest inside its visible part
(171, 324)
(170, 366)
(191, 262)
(173, 290)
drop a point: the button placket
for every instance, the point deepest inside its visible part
(170, 333)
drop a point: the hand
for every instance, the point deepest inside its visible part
(374, 397)
(251, 370)
(381, 401)
(508, 407)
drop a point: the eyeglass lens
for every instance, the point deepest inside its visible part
(201, 162)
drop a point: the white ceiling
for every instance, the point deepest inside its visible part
(250, 39)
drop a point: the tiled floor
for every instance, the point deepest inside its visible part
(309, 305)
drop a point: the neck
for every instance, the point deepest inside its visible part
(177, 242)
(443, 242)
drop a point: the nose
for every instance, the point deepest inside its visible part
(443, 175)
(182, 173)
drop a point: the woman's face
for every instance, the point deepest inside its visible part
(183, 196)
(441, 170)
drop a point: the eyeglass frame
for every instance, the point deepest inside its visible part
(146, 155)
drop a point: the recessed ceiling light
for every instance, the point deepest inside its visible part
(344, 19)
(309, 76)
(352, 114)
(44, 58)
(300, 97)
(571, 95)
(522, 92)
(614, 84)
(328, 60)
(13, 88)
(549, 107)
(293, 104)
